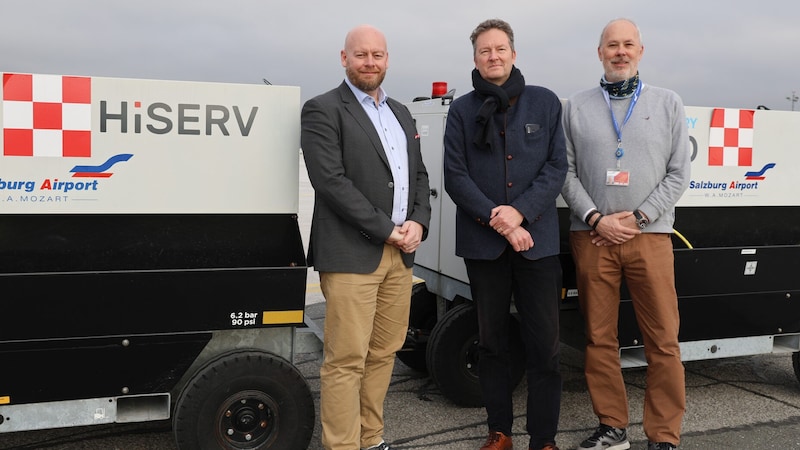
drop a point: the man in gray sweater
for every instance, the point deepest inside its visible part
(629, 163)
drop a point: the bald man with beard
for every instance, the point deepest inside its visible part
(371, 211)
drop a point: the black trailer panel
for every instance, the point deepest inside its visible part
(110, 275)
(724, 289)
(71, 369)
(106, 305)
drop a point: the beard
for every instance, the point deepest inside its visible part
(364, 84)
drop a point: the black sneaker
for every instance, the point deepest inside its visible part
(660, 446)
(607, 438)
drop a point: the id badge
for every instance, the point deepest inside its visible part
(616, 177)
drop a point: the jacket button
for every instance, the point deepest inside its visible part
(509, 157)
(510, 184)
(391, 185)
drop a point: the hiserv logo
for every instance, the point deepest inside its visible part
(51, 115)
(185, 118)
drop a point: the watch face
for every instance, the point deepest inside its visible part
(640, 220)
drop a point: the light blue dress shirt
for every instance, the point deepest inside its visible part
(395, 146)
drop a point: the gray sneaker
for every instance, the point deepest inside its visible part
(607, 438)
(660, 446)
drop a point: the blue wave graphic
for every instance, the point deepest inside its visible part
(761, 172)
(122, 157)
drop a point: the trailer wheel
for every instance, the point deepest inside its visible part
(796, 364)
(246, 399)
(453, 355)
(421, 321)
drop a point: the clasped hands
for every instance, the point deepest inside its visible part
(615, 229)
(406, 237)
(506, 220)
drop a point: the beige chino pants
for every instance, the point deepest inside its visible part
(366, 322)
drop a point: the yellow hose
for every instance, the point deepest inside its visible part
(685, 241)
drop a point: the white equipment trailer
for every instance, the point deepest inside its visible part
(737, 253)
(151, 263)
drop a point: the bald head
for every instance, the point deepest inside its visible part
(619, 21)
(362, 33)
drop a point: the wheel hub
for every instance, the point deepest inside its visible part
(249, 420)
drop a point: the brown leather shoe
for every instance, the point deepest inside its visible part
(498, 441)
(547, 447)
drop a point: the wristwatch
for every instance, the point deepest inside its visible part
(641, 220)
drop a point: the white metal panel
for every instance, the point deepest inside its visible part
(769, 179)
(179, 147)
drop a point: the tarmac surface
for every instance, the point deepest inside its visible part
(746, 402)
(733, 403)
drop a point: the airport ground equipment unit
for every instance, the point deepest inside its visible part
(151, 263)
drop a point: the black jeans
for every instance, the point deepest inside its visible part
(536, 289)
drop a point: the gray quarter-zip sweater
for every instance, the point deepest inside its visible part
(657, 155)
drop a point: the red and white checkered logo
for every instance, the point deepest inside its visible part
(730, 139)
(47, 115)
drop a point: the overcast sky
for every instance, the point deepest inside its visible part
(735, 53)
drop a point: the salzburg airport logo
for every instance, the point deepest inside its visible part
(51, 116)
(760, 174)
(100, 171)
(730, 138)
(47, 115)
(730, 141)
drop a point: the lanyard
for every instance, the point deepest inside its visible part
(619, 152)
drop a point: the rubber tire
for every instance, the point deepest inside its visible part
(453, 356)
(796, 365)
(245, 377)
(422, 317)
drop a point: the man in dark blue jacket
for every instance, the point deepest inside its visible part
(504, 165)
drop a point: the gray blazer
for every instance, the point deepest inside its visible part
(353, 184)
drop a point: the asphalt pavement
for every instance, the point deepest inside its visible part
(733, 403)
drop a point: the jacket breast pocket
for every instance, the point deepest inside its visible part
(531, 128)
(533, 132)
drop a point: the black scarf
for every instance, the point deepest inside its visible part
(497, 99)
(620, 89)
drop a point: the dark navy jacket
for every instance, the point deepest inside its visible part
(526, 169)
